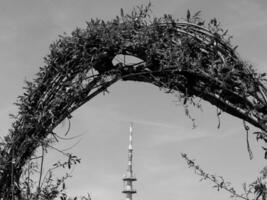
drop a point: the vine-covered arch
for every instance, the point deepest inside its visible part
(185, 56)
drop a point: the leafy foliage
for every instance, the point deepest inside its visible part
(191, 57)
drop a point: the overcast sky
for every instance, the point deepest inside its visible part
(161, 130)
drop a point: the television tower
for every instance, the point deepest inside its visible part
(129, 178)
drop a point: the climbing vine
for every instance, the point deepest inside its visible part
(183, 56)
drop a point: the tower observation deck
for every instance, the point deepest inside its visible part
(129, 177)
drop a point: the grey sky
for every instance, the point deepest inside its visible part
(161, 130)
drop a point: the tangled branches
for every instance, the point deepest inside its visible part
(189, 57)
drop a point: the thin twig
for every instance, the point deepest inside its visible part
(41, 173)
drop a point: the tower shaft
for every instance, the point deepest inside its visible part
(129, 177)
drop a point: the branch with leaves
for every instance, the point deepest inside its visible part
(254, 191)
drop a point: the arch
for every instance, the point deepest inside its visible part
(188, 57)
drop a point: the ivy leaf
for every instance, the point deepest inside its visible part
(197, 14)
(122, 13)
(214, 22)
(262, 75)
(188, 15)
(201, 23)
(235, 47)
